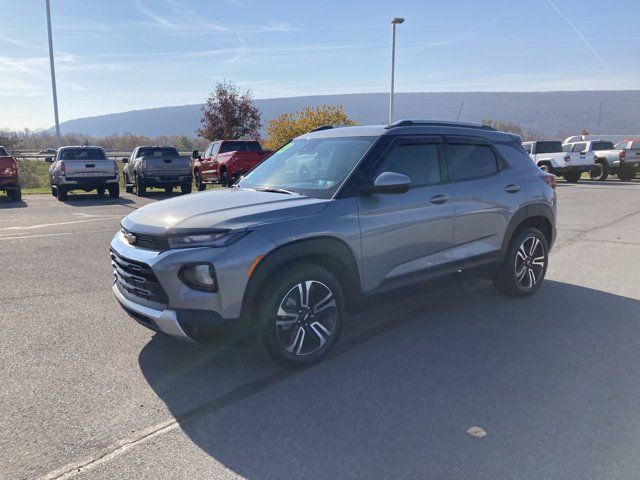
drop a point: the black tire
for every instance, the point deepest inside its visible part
(279, 336)
(572, 177)
(224, 178)
(15, 194)
(545, 168)
(200, 185)
(114, 190)
(127, 186)
(53, 191)
(101, 190)
(61, 193)
(523, 269)
(141, 188)
(626, 175)
(186, 188)
(600, 171)
(168, 189)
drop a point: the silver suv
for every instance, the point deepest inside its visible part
(287, 253)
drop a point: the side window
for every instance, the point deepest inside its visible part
(418, 161)
(578, 147)
(215, 148)
(470, 161)
(528, 147)
(635, 144)
(207, 152)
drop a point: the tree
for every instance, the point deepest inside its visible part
(287, 126)
(183, 143)
(228, 113)
(504, 126)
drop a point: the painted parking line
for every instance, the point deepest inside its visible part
(48, 225)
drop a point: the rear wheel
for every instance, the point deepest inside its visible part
(599, 171)
(301, 315)
(186, 188)
(114, 190)
(525, 265)
(572, 177)
(545, 168)
(626, 175)
(200, 185)
(15, 194)
(100, 190)
(141, 188)
(127, 186)
(61, 193)
(168, 189)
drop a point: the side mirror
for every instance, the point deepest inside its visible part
(125, 160)
(195, 155)
(583, 152)
(391, 182)
(48, 159)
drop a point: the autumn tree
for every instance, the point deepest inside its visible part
(228, 113)
(504, 126)
(287, 126)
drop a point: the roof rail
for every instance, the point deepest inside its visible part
(437, 123)
(323, 127)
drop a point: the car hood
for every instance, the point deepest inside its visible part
(228, 208)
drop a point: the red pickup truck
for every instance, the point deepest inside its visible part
(9, 177)
(224, 161)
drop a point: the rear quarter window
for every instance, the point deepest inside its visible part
(468, 161)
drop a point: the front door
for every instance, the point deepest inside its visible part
(409, 232)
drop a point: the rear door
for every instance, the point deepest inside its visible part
(410, 232)
(486, 193)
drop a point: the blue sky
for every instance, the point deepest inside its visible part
(119, 55)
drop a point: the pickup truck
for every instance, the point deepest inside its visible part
(225, 161)
(159, 167)
(9, 175)
(550, 157)
(83, 168)
(622, 160)
(593, 149)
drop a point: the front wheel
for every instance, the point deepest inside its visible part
(168, 189)
(301, 315)
(127, 186)
(224, 179)
(15, 194)
(114, 191)
(200, 185)
(525, 265)
(61, 193)
(572, 177)
(141, 188)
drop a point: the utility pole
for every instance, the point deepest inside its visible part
(394, 22)
(599, 118)
(53, 77)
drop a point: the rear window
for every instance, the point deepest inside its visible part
(158, 152)
(82, 154)
(595, 146)
(240, 147)
(548, 147)
(3, 152)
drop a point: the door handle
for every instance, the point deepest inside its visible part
(439, 199)
(512, 188)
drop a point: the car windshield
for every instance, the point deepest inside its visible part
(314, 167)
(548, 147)
(158, 152)
(82, 154)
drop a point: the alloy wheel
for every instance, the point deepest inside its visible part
(307, 317)
(530, 262)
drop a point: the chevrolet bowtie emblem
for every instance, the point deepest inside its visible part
(130, 238)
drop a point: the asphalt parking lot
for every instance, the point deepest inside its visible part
(553, 380)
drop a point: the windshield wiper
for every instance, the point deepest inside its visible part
(276, 190)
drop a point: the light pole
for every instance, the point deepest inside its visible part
(394, 22)
(53, 77)
(599, 118)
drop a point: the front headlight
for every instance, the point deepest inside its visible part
(214, 239)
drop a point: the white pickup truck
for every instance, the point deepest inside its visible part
(601, 151)
(550, 157)
(623, 159)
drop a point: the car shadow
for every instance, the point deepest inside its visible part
(553, 380)
(6, 202)
(92, 199)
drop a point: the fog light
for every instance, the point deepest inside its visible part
(199, 276)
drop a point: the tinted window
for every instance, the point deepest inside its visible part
(240, 147)
(621, 146)
(635, 144)
(527, 147)
(3, 152)
(595, 146)
(548, 147)
(419, 162)
(158, 152)
(82, 154)
(578, 147)
(567, 148)
(470, 161)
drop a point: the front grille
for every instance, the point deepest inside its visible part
(137, 278)
(149, 242)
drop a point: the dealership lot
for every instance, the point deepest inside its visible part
(554, 379)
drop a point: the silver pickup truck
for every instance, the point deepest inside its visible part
(159, 167)
(83, 168)
(623, 160)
